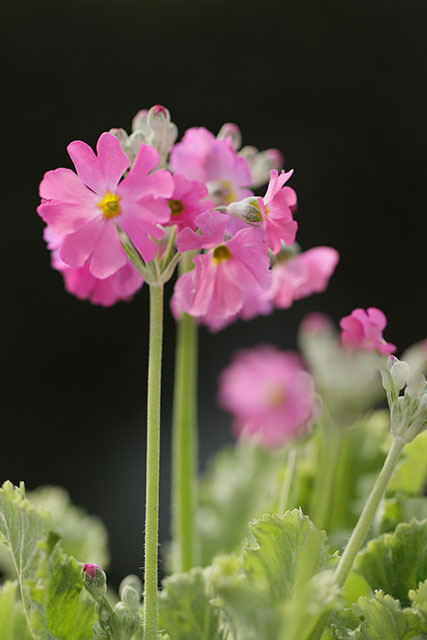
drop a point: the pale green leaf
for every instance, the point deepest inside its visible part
(397, 562)
(401, 508)
(281, 586)
(13, 624)
(186, 610)
(382, 618)
(418, 598)
(51, 584)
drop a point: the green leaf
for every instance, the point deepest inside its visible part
(55, 603)
(382, 618)
(13, 624)
(186, 610)
(418, 598)
(396, 563)
(281, 587)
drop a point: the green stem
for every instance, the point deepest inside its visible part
(359, 532)
(325, 478)
(287, 481)
(184, 439)
(153, 462)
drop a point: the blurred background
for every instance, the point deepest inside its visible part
(339, 87)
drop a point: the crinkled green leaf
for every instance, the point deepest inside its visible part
(397, 562)
(280, 587)
(55, 603)
(383, 619)
(186, 609)
(418, 598)
(13, 624)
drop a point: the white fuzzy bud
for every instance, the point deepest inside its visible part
(247, 209)
(230, 130)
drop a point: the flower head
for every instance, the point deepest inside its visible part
(363, 330)
(269, 393)
(87, 207)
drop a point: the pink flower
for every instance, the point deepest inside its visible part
(87, 207)
(215, 289)
(276, 209)
(201, 156)
(188, 200)
(363, 330)
(299, 277)
(79, 281)
(269, 393)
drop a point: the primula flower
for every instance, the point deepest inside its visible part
(87, 207)
(363, 330)
(216, 288)
(79, 281)
(188, 200)
(201, 156)
(276, 211)
(269, 393)
(302, 275)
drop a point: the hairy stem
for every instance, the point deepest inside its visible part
(153, 462)
(359, 532)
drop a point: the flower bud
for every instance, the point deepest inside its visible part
(416, 384)
(232, 131)
(130, 597)
(121, 136)
(396, 375)
(139, 123)
(95, 580)
(247, 209)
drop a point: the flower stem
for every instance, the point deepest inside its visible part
(359, 532)
(153, 462)
(184, 440)
(287, 482)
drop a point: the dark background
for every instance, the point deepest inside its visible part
(339, 87)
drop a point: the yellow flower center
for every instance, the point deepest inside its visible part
(228, 194)
(110, 205)
(275, 397)
(255, 204)
(176, 207)
(220, 253)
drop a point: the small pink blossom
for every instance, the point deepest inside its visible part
(90, 570)
(298, 277)
(363, 330)
(87, 207)
(269, 393)
(201, 156)
(215, 289)
(276, 208)
(188, 200)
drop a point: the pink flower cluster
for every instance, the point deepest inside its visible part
(121, 194)
(270, 395)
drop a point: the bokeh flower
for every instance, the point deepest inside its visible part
(363, 330)
(270, 395)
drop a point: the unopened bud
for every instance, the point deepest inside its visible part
(247, 209)
(416, 385)
(121, 136)
(131, 597)
(232, 131)
(396, 375)
(95, 580)
(139, 123)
